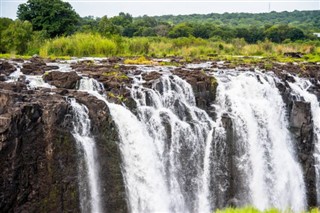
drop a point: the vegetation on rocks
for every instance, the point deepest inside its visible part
(250, 209)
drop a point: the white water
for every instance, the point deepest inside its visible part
(35, 81)
(264, 146)
(164, 171)
(300, 88)
(88, 170)
(181, 135)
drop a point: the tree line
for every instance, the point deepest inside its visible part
(39, 20)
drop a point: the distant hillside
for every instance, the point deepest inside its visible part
(302, 19)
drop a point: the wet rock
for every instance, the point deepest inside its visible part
(67, 80)
(301, 125)
(39, 156)
(3, 77)
(204, 87)
(36, 66)
(13, 86)
(6, 68)
(293, 54)
(150, 77)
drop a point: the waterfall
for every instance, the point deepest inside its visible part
(267, 172)
(88, 165)
(90, 85)
(176, 159)
(301, 88)
(166, 149)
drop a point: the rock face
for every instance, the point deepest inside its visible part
(301, 126)
(204, 87)
(38, 154)
(67, 80)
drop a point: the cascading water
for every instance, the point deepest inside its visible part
(166, 151)
(181, 136)
(88, 165)
(175, 158)
(268, 174)
(301, 89)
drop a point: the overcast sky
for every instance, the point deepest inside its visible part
(110, 8)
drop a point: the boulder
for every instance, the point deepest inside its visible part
(36, 66)
(293, 54)
(67, 80)
(6, 68)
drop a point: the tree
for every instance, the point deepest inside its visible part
(4, 24)
(107, 28)
(54, 16)
(281, 32)
(123, 19)
(180, 30)
(202, 30)
(17, 36)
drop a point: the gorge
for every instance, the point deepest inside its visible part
(97, 135)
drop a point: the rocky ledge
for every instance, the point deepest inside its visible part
(38, 153)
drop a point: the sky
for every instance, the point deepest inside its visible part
(99, 8)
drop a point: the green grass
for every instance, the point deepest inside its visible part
(189, 49)
(9, 56)
(79, 45)
(250, 209)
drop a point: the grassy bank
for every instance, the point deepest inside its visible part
(254, 210)
(189, 48)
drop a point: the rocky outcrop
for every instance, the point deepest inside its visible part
(6, 68)
(301, 125)
(36, 66)
(67, 80)
(204, 87)
(38, 154)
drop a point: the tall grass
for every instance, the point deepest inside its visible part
(79, 45)
(189, 48)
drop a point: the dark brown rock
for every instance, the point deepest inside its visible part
(39, 156)
(67, 80)
(6, 68)
(301, 125)
(36, 66)
(204, 87)
(293, 54)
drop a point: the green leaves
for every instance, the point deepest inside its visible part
(54, 16)
(17, 36)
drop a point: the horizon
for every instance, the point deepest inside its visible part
(138, 8)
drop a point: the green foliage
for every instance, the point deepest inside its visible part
(117, 75)
(4, 24)
(16, 37)
(250, 209)
(107, 28)
(88, 24)
(54, 16)
(79, 45)
(180, 30)
(279, 33)
(138, 46)
(140, 60)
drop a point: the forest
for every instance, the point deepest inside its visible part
(55, 29)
